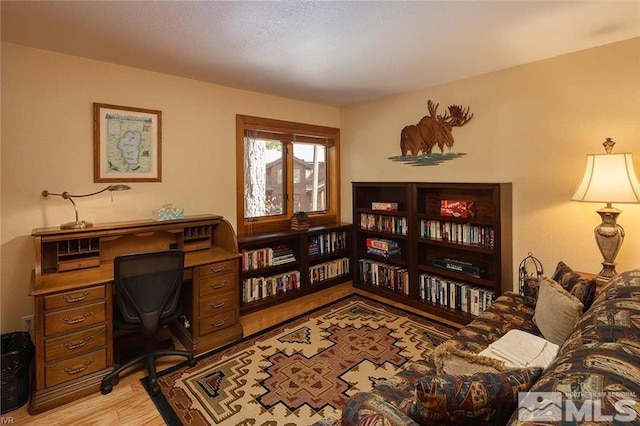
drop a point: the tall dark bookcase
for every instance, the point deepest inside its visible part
(434, 247)
(312, 260)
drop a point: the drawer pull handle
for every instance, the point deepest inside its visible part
(218, 324)
(79, 369)
(218, 285)
(70, 299)
(78, 319)
(218, 305)
(218, 269)
(81, 343)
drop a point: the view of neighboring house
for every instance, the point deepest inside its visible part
(306, 186)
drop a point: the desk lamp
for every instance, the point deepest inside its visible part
(608, 178)
(83, 224)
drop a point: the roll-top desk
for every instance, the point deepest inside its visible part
(73, 296)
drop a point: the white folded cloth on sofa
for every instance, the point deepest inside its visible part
(521, 349)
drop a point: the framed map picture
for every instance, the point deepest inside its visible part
(127, 144)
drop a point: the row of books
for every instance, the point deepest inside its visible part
(267, 256)
(327, 243)
(325, 271)
(458, 233)
(382, 223)
(384, 275)
(454, 294)
(258, 288)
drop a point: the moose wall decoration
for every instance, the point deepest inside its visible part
(433, 129)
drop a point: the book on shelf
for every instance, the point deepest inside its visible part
(382, 223)
(265, 257)
(454, 294)
(380, 274)
(458, 233)
(384, 253)
(457, 208)
(388, 207)
(466, 268)
(328, 270)
(327, 243)
(258, 288)
(382, 244)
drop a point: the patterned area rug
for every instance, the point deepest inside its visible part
(300, 371)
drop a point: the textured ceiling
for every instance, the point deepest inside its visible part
(330, 52)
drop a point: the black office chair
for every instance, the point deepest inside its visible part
(147, 287)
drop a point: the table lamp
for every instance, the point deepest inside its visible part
(608, 178)
(83, 224)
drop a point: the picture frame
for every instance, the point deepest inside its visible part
(127, 144)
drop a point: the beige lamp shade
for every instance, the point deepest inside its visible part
(609, 178)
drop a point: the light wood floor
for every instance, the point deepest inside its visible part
(129, 404)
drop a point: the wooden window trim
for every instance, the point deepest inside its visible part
(306, 133)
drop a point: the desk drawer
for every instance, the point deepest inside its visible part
(73, 343)
(73, 319)
(217, 322)
(217, 284)
(219, 268)
(218, 302)
(72, 265)
(75, 367)
(74, 298)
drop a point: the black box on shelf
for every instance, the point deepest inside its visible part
(466, 268)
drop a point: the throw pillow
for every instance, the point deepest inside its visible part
(557, 311)
(575, 284)
(449, 359)
(477, 399)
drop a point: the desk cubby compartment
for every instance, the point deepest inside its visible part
(70, 254)
(197, 237)
(474, 227)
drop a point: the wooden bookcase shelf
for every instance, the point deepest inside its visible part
(424, 235)
(282, 266)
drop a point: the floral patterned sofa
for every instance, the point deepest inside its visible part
(598, 363)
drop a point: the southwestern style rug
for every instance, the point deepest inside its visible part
(298, 372)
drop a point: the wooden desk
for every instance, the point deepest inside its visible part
(73, 296)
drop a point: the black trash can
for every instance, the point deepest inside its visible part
(17, 355)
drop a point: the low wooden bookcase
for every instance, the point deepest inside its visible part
(432, 245)
(281, 266)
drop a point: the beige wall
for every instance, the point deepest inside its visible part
(532, 126)
(47, 144)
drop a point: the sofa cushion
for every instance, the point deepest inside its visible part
(557, 311)
(509, 311)
(482, 398)
(582, 288)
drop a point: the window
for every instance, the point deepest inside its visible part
(283, 168)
